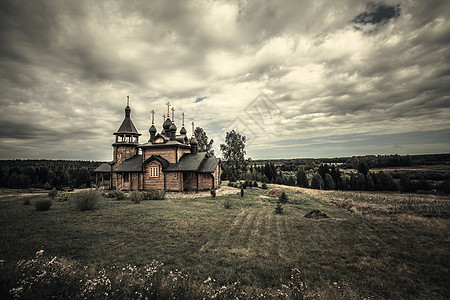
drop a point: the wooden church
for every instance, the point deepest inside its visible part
(169, 161)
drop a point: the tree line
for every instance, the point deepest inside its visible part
(46, 173)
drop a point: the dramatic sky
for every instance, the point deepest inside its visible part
(298, 78)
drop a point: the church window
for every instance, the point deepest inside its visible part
(154, 172)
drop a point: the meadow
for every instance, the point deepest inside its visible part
(372, 245)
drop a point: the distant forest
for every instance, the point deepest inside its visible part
(47, 173)
(344, 173)
(356, 173)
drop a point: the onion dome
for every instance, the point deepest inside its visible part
(152, 129)
(194, 141)
(183, 130)
(166, 125)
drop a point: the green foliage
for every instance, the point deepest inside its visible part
(242, 192)
(317, 182)
(86, 200)
(302, 180)
(137, 196)
(26, 201)
(118, 195)
(255, 184)
(233, 153)
(155, 195)
(227, 204)
(264, 186)
(63, 196)
(43, 204)
(53, 193)
(328, 182)
(406, 185)
(444, 186)
(363, 168)
(283, 198)
(279, 208)
(203, 144)
(47, 186)
(213, 193)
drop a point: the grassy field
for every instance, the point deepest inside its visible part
(386, 245)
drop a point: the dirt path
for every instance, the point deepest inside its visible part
(223, 190)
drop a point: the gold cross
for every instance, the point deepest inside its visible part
(168, 109)
(153, 116)
(183, 119)
(128, 100)
(164, 117)
(192, 128)
(173, 114)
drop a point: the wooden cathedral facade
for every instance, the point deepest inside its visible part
(169, 161)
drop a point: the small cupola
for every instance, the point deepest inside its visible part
(194, 143)
(183, 130)
(152, 130)
(127, 132)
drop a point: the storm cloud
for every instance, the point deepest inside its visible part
(343, 77)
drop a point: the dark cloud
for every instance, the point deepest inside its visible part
(66, 68)
(377, 13)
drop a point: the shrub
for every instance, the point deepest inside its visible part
(227, 204)
(283, 198)
(63, 196)
(279, 208)
(155, 195)
(47, 186)
(52, 194)
(137, 196)
(242, 192)
(42, 205)
(264, 186)
(117, 194)
(213, 194)
(87, 200)
(26, 202)
(255, 184)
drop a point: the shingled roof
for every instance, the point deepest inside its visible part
(133, 164)
(127, 125)
(209, 165)
(189, 162)
(158, 158)
(103, 168)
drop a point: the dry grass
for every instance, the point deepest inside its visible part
(367, 253)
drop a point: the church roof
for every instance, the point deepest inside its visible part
(133, 164)
(158, 158)
(189, 162)
(127, 124)
(103, 168)
(209, 165)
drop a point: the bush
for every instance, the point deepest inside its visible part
(86, 200)
(47, 186)
(155, 195)
(63, 196)
(242, 192)
(117, 194)
(255, 184)
(227, 204)
(42, 205)
(52, 194)
(264, 186)
(279, 208)
(26, 202)
(283, 198)
(137, 196)
(213, 194)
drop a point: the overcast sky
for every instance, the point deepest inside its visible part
(298, 78)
